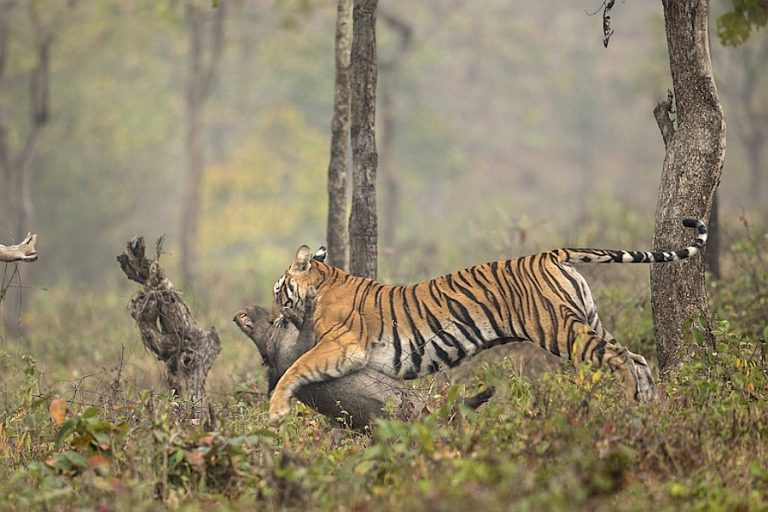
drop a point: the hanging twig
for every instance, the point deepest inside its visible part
(607, 5)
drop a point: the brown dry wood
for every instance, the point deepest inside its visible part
(167, 327)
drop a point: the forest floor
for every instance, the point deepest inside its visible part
(83, 426)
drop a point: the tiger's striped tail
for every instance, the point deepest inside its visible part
(612, 256)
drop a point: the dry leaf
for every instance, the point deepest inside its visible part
(58, 410)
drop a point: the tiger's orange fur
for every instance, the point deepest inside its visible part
(412, 330)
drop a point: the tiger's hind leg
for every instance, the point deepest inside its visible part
(329, 359)
(595, 344)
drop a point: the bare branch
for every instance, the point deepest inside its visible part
(25, 251)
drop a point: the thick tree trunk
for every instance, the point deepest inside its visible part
(363, 228)
(695, 150)
(199, 85)
(337, 168)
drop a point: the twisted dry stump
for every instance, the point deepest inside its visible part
(168, 329)
(357, 398)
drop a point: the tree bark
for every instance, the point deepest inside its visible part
(695, 150)
(169, 330)
(363, 228)
(199, 85)
(337, 168)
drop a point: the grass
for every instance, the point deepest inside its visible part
(82, 426)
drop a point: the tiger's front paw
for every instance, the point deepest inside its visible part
(278, 409)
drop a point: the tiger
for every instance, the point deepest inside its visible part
(407, 331)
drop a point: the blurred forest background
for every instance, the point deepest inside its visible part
(505, 128)
(510, 129)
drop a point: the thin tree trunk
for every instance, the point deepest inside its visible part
(695, 150)
(756, 171)
(363, 229)
(337, 168)
(391, 177)
(199, 87)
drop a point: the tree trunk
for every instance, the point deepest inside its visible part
(754, 147)
(337, 168)
(199, 85)
(695, 150)
(391, 177)
(363, 229)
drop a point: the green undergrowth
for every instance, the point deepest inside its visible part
(568, 443)
(81, 427)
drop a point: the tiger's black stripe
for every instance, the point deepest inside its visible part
(412, 330)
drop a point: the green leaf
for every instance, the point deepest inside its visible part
(90, 412)
(66, 429)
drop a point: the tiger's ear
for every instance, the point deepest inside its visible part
(320, 255)
(301, 263)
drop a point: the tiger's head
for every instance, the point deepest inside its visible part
(291, 289)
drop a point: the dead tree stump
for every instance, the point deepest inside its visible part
(168, 329)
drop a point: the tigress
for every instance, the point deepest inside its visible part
(412, 330)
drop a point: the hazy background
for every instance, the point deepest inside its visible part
(514, 131)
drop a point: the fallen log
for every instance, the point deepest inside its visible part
(168, 329)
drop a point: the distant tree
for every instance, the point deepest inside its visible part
(337, 168)
(747, 78)
(16, 162)
(743, 16)
(202, 70)
(745, 75)
(390, 175)
(363, 228)
(693, 130)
